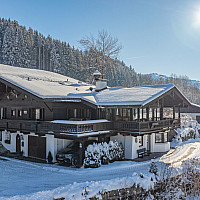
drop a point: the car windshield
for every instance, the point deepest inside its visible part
(71, 145)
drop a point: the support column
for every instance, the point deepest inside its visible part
(131, 114)
(173, 112)
(153, 117)
(161, 113)
(80, 160)
(138, 110)
(147, 113)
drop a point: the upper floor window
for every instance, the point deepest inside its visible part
(168, 113)
(19, 113)
(75, 113)
(37, 114)
(13, 113)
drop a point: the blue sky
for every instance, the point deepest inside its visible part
(157, 35)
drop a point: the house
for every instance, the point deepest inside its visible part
(193, 110)
(42, 112)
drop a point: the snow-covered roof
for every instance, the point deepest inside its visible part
(80, 122)
(140, 95)
(45, 84)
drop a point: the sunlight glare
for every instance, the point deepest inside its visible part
(196, 18)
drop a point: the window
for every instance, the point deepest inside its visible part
(158, 138)
(144, 113)
(135, 116)
(140, 141)
(168, 113)
(158, 113)
(19, 113)
(2, 113)
(7, 138)
(165, 137)
(25, 112)
(150, 114)
(37, 114)
(75, 112)
(13, 113)
(0, 135)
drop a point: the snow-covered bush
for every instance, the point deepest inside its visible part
(103, 153)
(153, 168)
(189, 129)
(92, 156)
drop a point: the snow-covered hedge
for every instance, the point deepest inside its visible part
(103, 153)
(189, 129)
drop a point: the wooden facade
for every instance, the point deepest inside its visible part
(26, 112)
(45, 123)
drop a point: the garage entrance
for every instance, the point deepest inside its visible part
(37, 147)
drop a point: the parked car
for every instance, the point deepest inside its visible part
(70, 155)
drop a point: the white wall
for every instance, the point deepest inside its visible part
(131, 146)
(55, 144)
(25, 147)
(159, 147)
(119, 138)
(12, 146)
(50, 146)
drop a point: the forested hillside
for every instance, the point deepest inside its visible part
(30, 49)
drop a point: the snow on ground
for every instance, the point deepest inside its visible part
(21, 180)
(184, 152)
(27, 179)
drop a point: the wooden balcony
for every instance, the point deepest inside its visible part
(44, 127)
(134, 126)
(76, 127)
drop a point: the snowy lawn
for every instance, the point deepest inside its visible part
(24, 178)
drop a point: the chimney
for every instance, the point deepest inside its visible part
(100, 83)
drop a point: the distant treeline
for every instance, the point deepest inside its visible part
(30, 49)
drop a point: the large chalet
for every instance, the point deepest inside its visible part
(42, 112)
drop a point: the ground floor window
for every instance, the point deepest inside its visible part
(7, 138)
(165, 137)
(158, 138)
(161, 137)
(140, 141)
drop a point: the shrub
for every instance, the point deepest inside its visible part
(103, 153)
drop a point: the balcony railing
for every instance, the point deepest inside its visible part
(42, 127)
(54, 127)
(135, 126)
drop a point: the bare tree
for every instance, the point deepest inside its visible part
(103, 47)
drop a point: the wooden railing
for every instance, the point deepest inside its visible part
(50, 127)
(135, 126)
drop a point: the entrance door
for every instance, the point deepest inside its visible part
(18, 144)
(149, 143)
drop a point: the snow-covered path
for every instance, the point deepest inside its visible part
(181, 153)
(22, 178)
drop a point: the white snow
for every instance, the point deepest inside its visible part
(131, 96)
(21, 180)
(80, 122)
(38, 181)
(45, 84)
